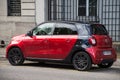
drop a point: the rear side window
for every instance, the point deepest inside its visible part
(83, 29)
(98, 29)
(65, 29)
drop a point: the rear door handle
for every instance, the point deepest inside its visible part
(45, 40)
(68, 40)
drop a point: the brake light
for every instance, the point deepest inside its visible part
(92, 41)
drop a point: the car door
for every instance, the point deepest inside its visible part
(37, 46)
(62, 40)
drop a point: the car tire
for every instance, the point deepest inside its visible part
(15, 56)
(82, 61)
(105, 65)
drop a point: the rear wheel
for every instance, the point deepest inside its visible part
(105, 65)
(15, 56)
(81, 61)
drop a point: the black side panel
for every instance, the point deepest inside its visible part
(80, 45)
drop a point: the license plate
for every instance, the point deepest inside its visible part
(107, 52)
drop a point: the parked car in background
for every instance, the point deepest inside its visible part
(77, 43)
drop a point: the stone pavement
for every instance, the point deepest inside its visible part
(3, 52)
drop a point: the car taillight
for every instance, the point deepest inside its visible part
(92, 41)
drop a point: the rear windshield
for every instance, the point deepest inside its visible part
(98, 29)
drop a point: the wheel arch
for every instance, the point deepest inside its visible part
(69, 58)
(12, 48)
(80, 51)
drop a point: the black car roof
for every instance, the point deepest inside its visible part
(71, 22)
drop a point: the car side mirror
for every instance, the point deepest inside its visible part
(29, 34)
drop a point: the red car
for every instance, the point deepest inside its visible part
(78, 43)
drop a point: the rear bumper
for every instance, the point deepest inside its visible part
(98, 56)
(107, 61)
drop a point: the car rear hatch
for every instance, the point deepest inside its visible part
(100, 34)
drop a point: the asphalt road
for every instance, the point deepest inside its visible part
(49, 71)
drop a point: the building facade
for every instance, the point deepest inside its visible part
(16, 17)
(19, 16)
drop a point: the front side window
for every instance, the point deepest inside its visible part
(87, 7)
(44, 29)
(65, 29)
(14, 7)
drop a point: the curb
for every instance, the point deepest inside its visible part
(2, 56)
(117, 63)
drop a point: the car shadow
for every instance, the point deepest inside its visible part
(49, 65)
(70, 67)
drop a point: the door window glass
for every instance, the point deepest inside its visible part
(65, 29)
(44, 29)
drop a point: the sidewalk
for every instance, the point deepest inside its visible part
(2, 52)
(2, 55)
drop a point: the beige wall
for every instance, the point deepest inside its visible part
(6, 30)
(27, 12)
(3, 7)
(10, 29)
(15, 25)
(41, 10)
(28, 8)
(31, 11)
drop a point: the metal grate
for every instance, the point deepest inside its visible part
(72, 10)
(111, 17)
(106, 12)
(14, 7)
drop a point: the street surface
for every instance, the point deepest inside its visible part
(50, 71)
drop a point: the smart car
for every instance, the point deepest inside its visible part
(71, 42)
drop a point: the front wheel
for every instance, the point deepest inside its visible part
(105, 65)
(15, 56)
(82, 61)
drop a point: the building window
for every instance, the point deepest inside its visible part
(87, 7)
(14, 7)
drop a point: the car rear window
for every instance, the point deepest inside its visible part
(98, 29)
